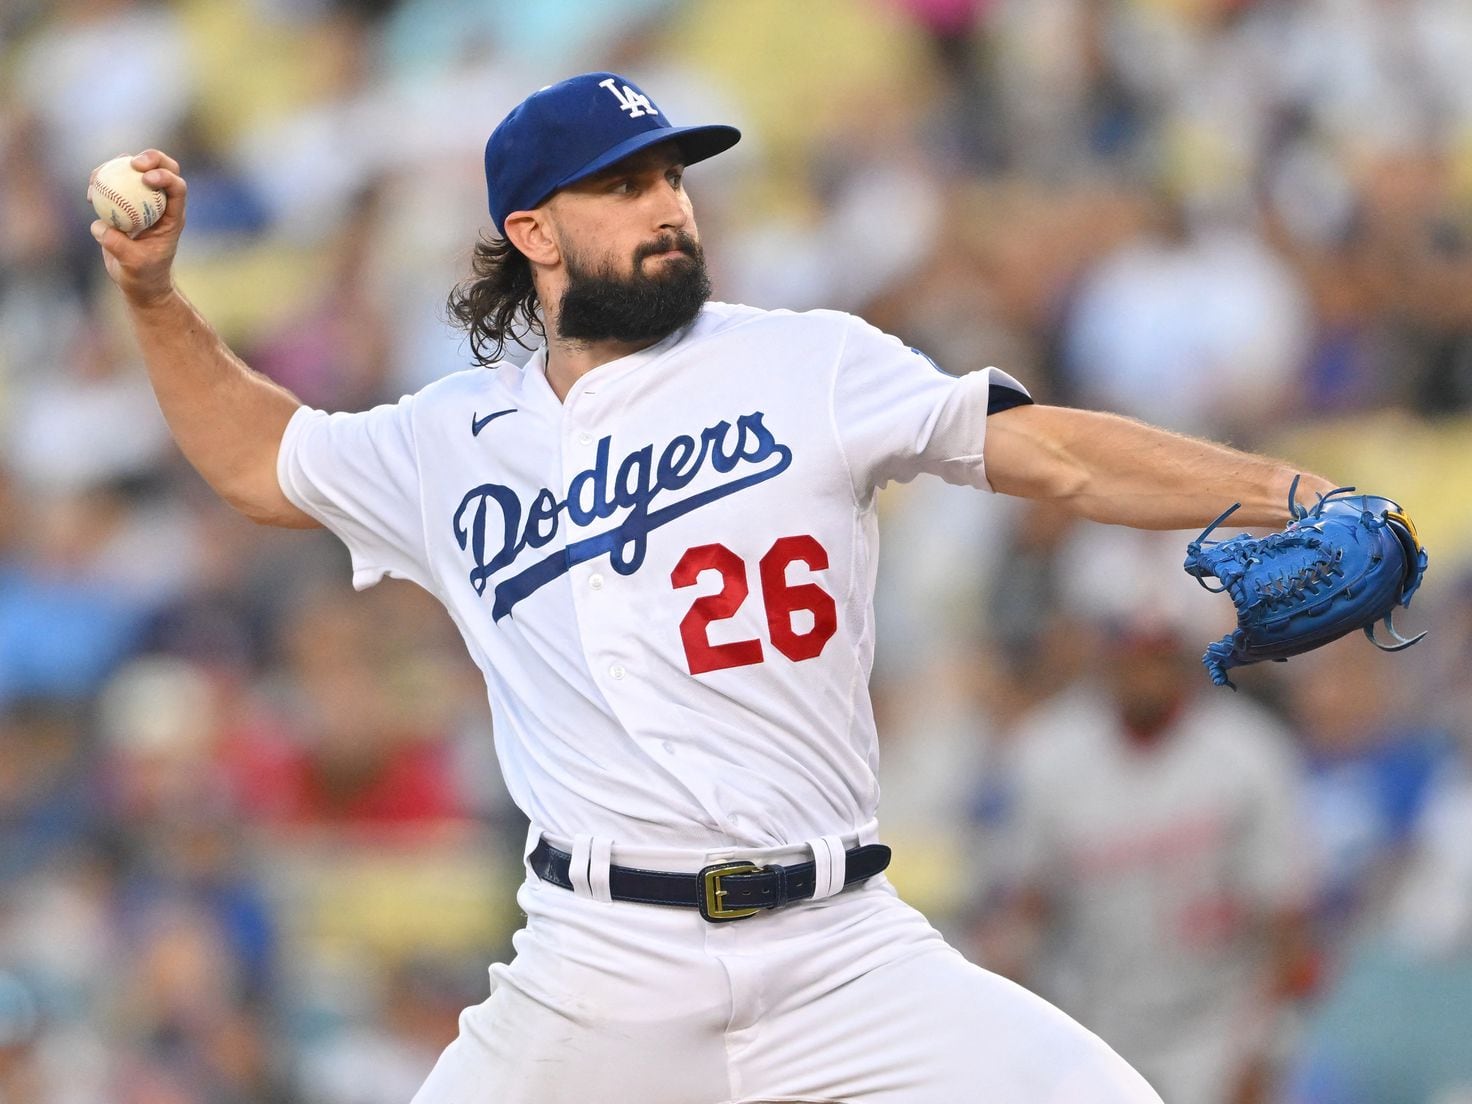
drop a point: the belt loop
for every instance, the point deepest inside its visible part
(588, 869)
(533, 839)
(600, 859)
(577, 868)
(831, 866)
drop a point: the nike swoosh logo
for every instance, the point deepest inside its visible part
(478, 424)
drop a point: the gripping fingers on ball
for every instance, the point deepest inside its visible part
(162, 172)
(154, 159)
(171, 184)
(101, 231)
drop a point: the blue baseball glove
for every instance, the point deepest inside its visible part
(1343, 564)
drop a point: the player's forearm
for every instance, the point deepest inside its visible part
(1117, 470)
(227, 419)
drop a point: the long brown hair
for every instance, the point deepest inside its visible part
(498, 304)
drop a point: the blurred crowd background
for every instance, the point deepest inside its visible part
(253, 844)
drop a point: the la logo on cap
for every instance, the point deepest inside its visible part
(635, 103)
(560, 134)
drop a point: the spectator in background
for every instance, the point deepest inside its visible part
(337, 348)
(383, 1062)
(1158, 890)
(63, 627)
(43, 270)
(22, 1080)
(183, 1000)
(1194, 327)
(1371, 757)
(372, 751)
(1411, 231)
(1038, 135)
(1395, 1026)
(45, 805)
(98, 72)
(59, 941)
(90, 419)
(970, 107)
(173, 809)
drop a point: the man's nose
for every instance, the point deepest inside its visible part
(672, 208)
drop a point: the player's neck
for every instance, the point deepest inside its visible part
(570, 361)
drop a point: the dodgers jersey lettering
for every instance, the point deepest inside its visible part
(630, 492)
(668, 579)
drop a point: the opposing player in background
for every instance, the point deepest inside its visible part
(658, 540)
(1160, 882)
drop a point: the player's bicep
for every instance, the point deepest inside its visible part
(258, 493)
(251, 484)
(1027, 452)
(252, 487)
(275, 509)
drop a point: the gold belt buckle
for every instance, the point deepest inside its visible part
(710, 901)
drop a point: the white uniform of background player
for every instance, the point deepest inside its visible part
(667, 580)
(1163, 867)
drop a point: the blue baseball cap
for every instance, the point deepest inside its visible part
(567, 131)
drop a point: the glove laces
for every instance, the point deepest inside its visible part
(1274, 542)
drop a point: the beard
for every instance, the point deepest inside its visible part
(599, 305)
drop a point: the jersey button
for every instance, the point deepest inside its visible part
(617, 671)
(585, 438)
(596, 582)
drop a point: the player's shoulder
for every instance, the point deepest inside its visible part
(843, 342)
(467, 384)
(717, 318)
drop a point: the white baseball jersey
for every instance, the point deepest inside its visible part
(1162, 864)
(666, 579)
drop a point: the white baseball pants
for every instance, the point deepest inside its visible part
(854, 998)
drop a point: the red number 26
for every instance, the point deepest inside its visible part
(781, 598)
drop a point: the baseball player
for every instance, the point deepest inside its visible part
(658, 540)
(1159, 868)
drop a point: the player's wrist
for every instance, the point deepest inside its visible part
(153, 295)
(1309, 490)
(1272, 503)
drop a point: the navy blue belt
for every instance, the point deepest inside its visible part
(723, 891)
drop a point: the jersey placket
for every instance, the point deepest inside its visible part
(585, 423)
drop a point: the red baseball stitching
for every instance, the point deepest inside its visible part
(119, 200)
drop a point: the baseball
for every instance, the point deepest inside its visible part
(120, 197)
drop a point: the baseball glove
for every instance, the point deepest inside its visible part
(1343, 564)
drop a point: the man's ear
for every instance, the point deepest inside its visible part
(529, 232)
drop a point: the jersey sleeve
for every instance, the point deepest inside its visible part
(897, 414)
(358, 474)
